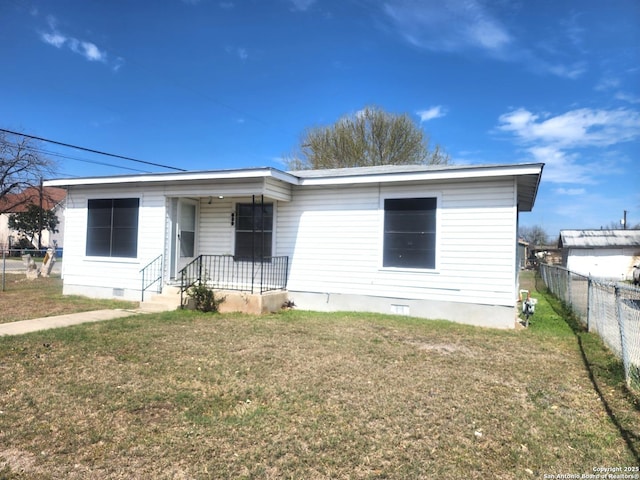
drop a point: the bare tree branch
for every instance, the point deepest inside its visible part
(21, 167)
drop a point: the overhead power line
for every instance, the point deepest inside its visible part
(77, 159)
(84, 160)
(91, 150)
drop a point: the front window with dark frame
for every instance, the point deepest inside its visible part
(254, 231)
(410, 233)
(112, 227)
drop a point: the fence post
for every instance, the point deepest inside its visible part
(589, 298)
(142, 288)
(623, 349)
(568, 300)
(182, 273)
(4, 266)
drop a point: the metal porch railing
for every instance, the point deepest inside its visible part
(227, 272)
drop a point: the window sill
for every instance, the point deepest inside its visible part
(111, 260)
(420, 271)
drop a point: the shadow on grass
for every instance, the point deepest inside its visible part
(600, 367)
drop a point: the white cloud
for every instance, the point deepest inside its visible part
(89, 50)
(570, 191)
(574, 31)
(561, 166)
(431, 113)
(302, 5)
(610, 83)
(54, 39)
(627, 97)
(572, 71)
(576, 128)
(240, 52)
(607, 83)
(118, 64)
(458, 26)
(450, 26)
(559, 141)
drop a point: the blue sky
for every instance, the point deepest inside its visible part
(210, 84)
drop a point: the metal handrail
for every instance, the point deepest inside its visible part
(186, 280)
(152, 273)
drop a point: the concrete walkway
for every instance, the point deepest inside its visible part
(45, 323)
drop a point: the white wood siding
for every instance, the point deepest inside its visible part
(215, 234)
(216, 231)
(277, 190)
(109, 274)
(332, 235)
(334, 240)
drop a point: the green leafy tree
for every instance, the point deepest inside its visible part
(32, 221)
(367, 138)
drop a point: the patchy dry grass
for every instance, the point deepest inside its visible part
(298, 395)
(305, 395)
(25, 299)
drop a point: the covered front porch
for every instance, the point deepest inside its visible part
(255, 276)
(224, 239)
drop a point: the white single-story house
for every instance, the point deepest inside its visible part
(427, 241)
(609, 254)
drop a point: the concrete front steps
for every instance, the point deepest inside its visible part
(234, 301)
(166, 301)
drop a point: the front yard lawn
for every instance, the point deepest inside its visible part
(306, 395)
(25, 299)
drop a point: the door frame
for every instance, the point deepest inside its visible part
(178, 261)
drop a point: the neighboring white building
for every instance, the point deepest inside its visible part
(609, 254)
(427, 241)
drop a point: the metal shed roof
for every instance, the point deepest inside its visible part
(599, 238)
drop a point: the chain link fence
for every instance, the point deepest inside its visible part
(612, 310)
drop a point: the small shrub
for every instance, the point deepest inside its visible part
(204, 298)
(288, 305)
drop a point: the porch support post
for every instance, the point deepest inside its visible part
(262, 245)
(253, 240)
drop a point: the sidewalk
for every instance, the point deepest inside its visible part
(45, 323)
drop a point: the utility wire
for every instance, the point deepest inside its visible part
(84, 160)
(69, 157)
(92, 150)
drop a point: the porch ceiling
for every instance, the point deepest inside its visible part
(228, 188)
